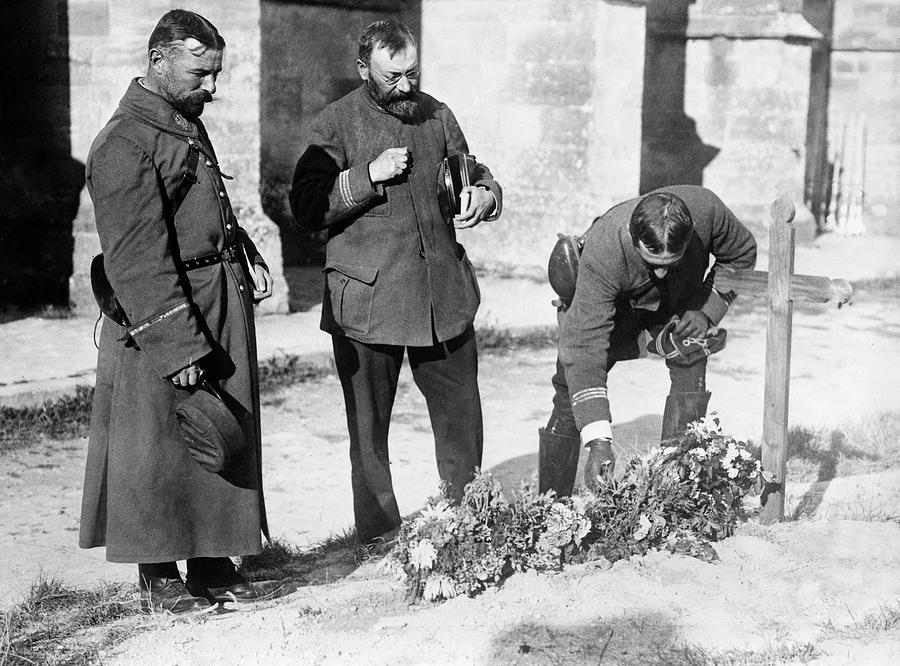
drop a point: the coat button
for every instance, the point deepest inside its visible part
(222, 194)
(228, 226)
(208, 163)
(241, 287)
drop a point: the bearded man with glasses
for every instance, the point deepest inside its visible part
(396, 279)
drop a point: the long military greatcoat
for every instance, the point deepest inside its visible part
(145, 498)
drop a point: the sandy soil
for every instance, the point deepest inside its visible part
(811, 581)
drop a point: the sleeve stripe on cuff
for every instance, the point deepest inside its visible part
(595, 393)
(150, 322)
(344, 183)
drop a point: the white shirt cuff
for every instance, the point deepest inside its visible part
(596, 430)
(495, 213)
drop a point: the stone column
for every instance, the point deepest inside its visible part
(108, 44)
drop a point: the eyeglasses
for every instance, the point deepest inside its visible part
(412, 75)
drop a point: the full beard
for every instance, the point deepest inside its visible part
(400, 105)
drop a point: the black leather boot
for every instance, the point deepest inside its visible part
(681, 409)
(557, 462)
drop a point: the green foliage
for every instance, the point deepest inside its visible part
(63, 418)
(493, 339)
(280, 371)
(60, 625)
(684, 496)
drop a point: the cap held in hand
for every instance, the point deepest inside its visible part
(210, 429)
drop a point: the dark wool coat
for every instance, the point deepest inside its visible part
(614, 283)
(392, 263)
(145, 498)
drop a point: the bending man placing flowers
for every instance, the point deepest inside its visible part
(642, 268)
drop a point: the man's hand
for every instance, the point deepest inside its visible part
(481, 205)
(693, 324)
(390, 164)
(189, 376)
(600, 463)
(263, 283)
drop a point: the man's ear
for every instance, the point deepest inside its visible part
(156, 58)
(363, 70)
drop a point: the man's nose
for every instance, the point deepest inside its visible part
(404, 85)
(209, 84)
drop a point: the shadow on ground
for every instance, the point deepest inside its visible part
(645, 639)
(634, 438)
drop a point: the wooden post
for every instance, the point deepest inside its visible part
(778, 357)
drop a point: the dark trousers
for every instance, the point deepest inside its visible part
(447, 375)
(623, 346)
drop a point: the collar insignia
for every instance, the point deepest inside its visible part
(181, 121)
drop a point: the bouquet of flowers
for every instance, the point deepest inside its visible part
(682, 496)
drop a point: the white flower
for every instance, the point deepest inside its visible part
(745, 454)
(439, 511)
(698, 452)
(439, 587)
(422, 554)
(669, 450)
(732, 473)
(711, 424)
(578, 504)
(730, 455)
(643, 528)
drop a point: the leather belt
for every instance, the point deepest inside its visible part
(228, 254)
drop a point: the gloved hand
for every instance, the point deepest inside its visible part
(600, 463)
(685, 350)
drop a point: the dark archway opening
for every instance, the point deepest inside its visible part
(309, 51)
(40, 181)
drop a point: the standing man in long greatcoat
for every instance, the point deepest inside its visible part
(186, 277)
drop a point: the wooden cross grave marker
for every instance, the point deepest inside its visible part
(782, 288)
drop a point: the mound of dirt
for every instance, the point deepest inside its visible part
(794, 592)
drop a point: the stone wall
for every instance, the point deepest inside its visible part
(548, 93)
(108, 45)
(728, 85)
(308, 59)
(863, 117)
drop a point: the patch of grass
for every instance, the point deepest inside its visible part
(877, 621)
(280, 371)
(502, 340)
(697, 656)
(861, 447)
(70, 416)
(332, 560)
(62, 418)
(56, 624)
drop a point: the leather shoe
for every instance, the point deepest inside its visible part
(240, 590)
(382, 545)
(172, 595)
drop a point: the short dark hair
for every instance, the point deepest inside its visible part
(179, 24)
(662, 222)
(391, 35)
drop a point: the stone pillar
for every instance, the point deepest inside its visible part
(108, 44)
(548, 93)
(747, 86)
